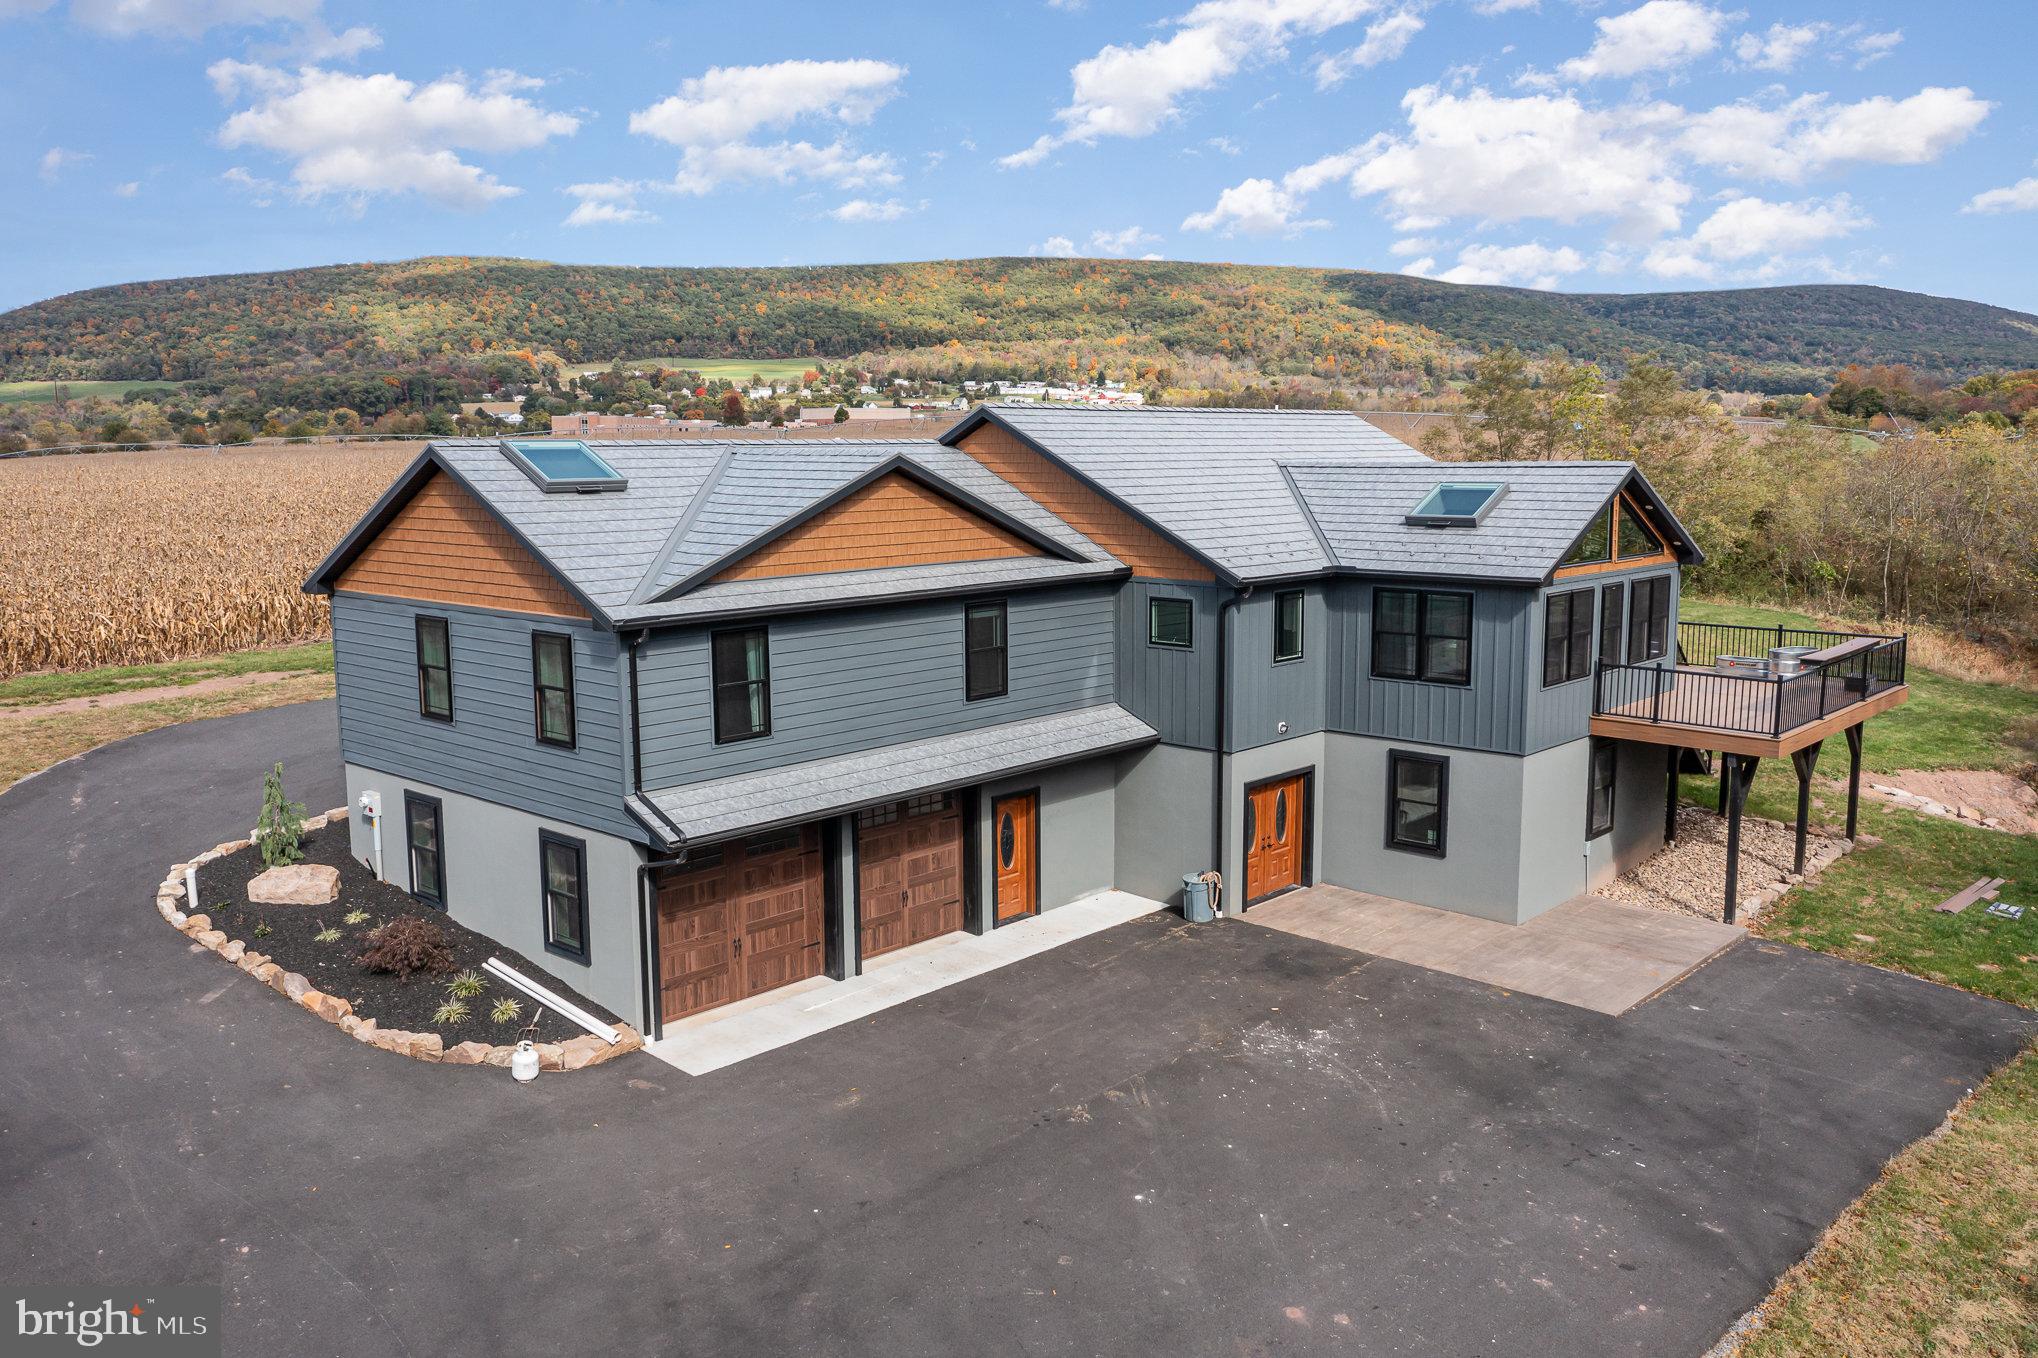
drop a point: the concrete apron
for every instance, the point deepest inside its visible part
(735, 1032)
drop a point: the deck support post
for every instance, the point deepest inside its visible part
(1737, 772)
(1853, 776)
(1670, 796)
(1806, 762)
(1724, 766)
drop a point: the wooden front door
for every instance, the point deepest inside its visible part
(909, 872)
(741, 919)
(1275, 814)
(1015, 855)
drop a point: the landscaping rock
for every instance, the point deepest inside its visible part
(498, 1056)
(267, 972)
(251, 962)
(296, 884)
(580, 1052)
(466, 1054)
(315, 823)
(233, 949)
(211, 938)
(358, 1028)
(425, 1046)
(231, 846)
(294, 985)
(390, 1039)
(331, 1008)
(551, 1056)
(194, 924)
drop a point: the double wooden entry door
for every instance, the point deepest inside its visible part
(1275, 818)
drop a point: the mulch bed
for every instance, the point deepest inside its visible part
(330, 967)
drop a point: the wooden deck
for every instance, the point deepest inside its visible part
(1589, 952)
(1728, 717)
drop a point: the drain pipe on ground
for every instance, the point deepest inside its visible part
(1219, 784)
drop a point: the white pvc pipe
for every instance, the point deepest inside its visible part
(495, 968)
(191, 891)
(375, 822)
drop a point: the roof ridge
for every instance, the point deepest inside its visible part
(1081, 408)
(647, 585)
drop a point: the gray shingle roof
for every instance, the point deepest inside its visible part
(791, 592)
(821, 787)
(1359, 509)
(1210, 477)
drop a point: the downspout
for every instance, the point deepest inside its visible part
(1220, 765)
(647, 912)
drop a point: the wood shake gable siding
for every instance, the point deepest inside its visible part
(444, 547)
(894, 521)
(1147, 552)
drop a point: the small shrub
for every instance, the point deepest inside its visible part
(450, 1013)
(354, 917)
(466, 985)
(507, 1010)
(279, 834)
(405, 946)
(326, 935)
(262, 929)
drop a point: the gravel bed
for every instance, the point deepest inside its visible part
(1689, 877)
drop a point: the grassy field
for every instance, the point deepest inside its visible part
(1940, 1256)
(39, 393)
(728, 369)
(30, 690)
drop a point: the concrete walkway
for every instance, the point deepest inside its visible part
(781, 1017)
(1590, 952)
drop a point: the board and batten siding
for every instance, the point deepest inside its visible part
(490, 749)
(1170, 689)
(1263, 693)
(1563, 712)
(842, 682)
(1486, 714)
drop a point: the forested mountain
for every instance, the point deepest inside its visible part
(1361, 326)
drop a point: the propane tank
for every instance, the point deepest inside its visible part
(524, 1062)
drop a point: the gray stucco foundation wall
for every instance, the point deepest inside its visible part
(1304, 754)
(491, 874)
(1555, 855)
(1161, 819)
(1640, 786)
(1481, 870)
(1077, 828)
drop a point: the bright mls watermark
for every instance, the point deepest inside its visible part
(168, 1322)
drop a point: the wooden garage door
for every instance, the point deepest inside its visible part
(740, 919)
(909, 872)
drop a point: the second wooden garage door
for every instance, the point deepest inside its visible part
(909, 872)
(741, 919)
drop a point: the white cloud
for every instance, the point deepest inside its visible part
(1500, 158)
(865, 210)
(1809, 136)
(319, 43)
(127, 190)
(1124, 242)
(358, 136)
(262, 192)
(1261, 207)
(1412, 245)
(1656, 36)
(1755, 230)
(2021, 196)
(1135, 91)
(609, 202)
(1870, 48)
(1055, 247)
(1384, 41)
(1780, 48)
(1227, 145)
(1492, 7)
(1529, 266)
(55, 160)
(714, 116)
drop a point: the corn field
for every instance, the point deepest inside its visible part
(129, 558)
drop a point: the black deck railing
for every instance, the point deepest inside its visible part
(1748, 703)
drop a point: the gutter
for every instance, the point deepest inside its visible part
(1220, 766)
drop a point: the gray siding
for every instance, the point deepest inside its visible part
(850, 681)
(492, 883)
(490, 750)
(1265, 694)
(1172, 690)
(1563, 712)
(1485, 714)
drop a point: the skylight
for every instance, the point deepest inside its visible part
(1456, 504)
(564, 467)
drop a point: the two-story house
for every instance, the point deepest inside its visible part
(697, 720)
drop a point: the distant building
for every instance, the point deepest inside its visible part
(584, 424)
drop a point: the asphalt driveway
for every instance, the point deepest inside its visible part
(1159, 1139)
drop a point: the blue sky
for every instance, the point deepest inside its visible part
(1547, 143)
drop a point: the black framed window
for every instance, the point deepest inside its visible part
(1418, 799)
(1567, 636)
(983, 644)
(1636, 538)
(424, 832)
(1599, 795)
(1422, 634)
(562, 879)
(1596, 544)
(742, 678)
(552, 687)
(1170, 622)
(1287, 625)
(1612, 606)
(435, 669)
(1649, 621)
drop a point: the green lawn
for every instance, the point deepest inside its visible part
(728, 369)
(27, 690)
(39, 393)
